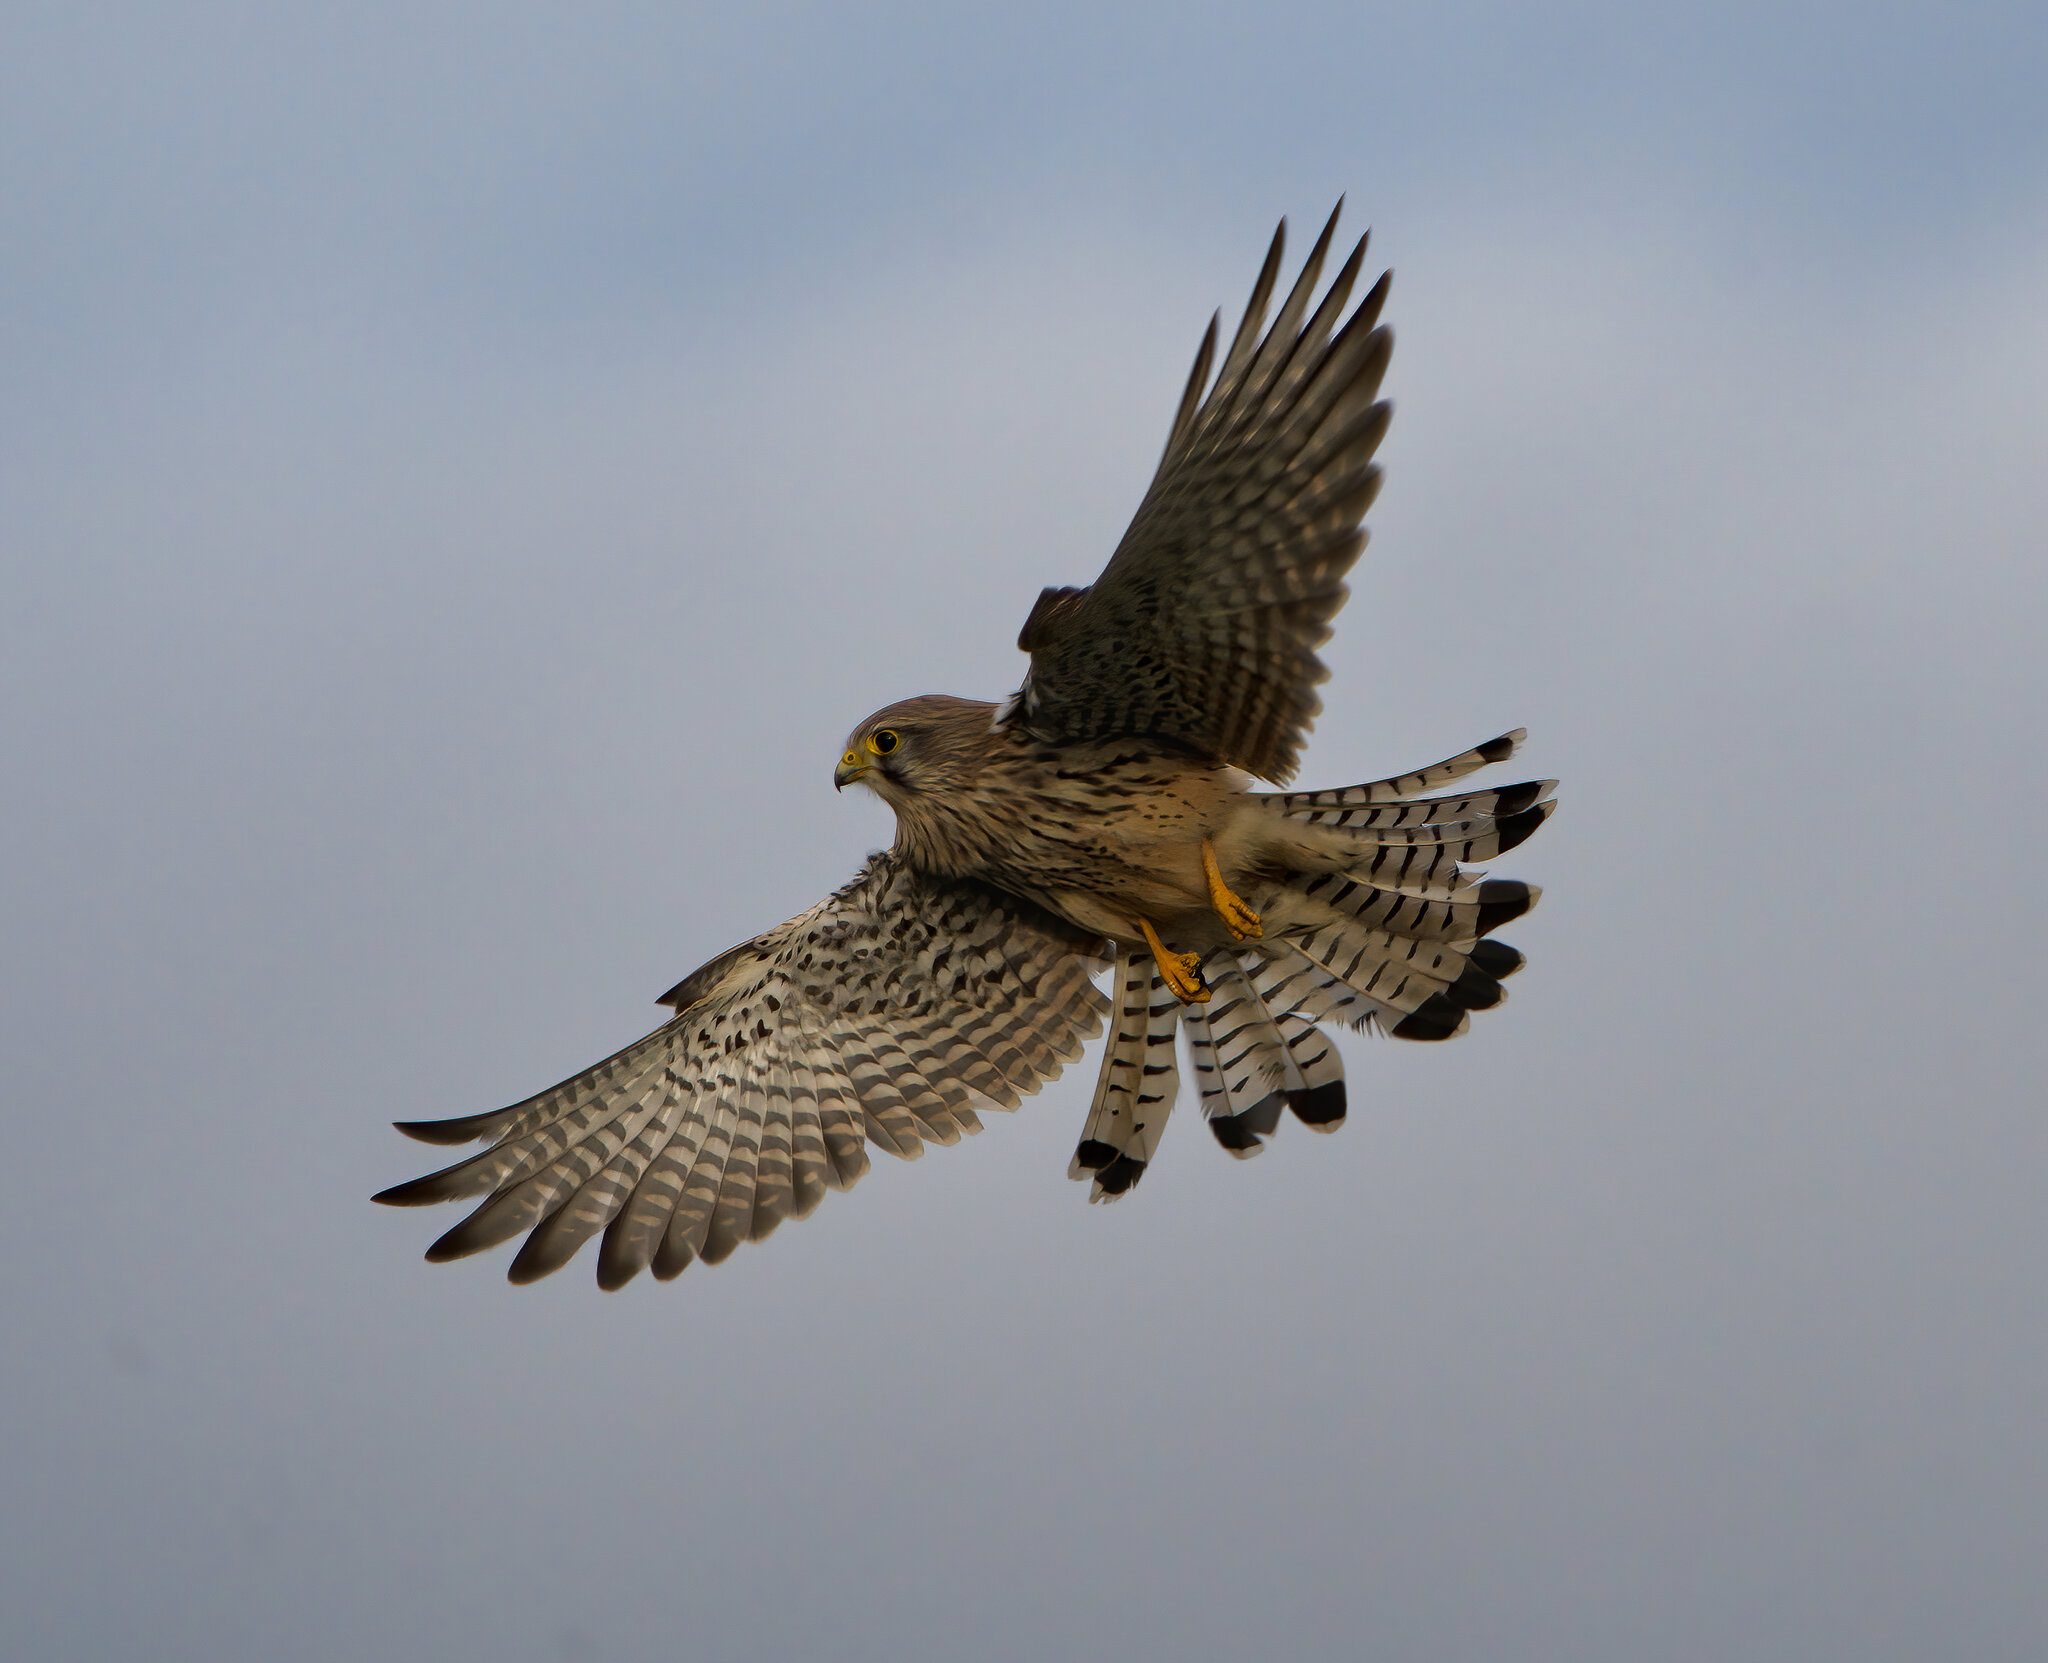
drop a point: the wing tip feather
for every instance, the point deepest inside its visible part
(468, 1128)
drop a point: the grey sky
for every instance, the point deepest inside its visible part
(461, 472)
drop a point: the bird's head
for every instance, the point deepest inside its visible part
(918, 745)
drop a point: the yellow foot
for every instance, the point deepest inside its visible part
(1182, 971)
(1238, 918)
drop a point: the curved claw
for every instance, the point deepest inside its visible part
(1182, 972)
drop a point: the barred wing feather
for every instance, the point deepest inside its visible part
(888, 1013)
(1203, 627)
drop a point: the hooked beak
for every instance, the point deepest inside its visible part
(850, 768)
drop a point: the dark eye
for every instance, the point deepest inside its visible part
(884, 741)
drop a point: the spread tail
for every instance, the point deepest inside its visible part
(1386, 928)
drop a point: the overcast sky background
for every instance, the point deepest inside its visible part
(462, 469)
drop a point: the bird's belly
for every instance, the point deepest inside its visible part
(1106, 841)
(1124, 883)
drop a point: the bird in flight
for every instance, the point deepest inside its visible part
(1101, 819)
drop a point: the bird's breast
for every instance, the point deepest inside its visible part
(1102, 833)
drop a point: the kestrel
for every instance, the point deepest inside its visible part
(1100, 819)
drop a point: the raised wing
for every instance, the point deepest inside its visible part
(1203, 627)
(887, 1013)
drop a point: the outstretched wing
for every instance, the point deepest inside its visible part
(1203, 627)
(889, 1013)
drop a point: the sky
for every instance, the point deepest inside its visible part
(464, 468)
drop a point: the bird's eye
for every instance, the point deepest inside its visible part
(884, 740)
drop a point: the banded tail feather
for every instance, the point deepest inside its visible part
(1394, 934)
(1269, 1056)
(1309, 803)
(1135, 1090)
(1497, 802)
(1409, 967)
(1318, 1100)
(1240, 1061)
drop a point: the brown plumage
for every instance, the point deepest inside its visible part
(1103, 814)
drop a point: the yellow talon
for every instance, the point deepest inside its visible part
(1238, 918)
(1181, 971)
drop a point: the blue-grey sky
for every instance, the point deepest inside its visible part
(463, 468)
